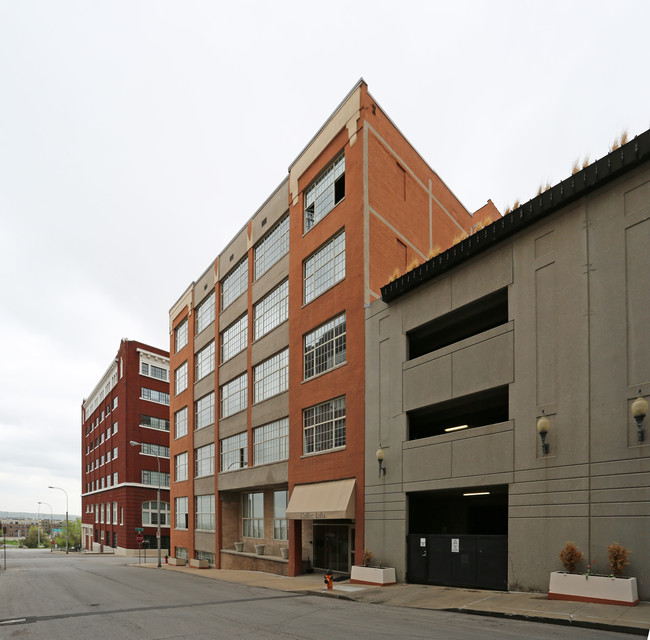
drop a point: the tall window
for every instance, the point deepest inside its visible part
(150, 514)
(324, 426)
(161, 424)
(234, 452)
(325, 192)
(271, 310)
(181, 552)
(205, 361)
(180, 423)
(253, 512)
(271, 442)
(325, 347)
(234, 396)
(234, 339)
(115, 513)
(180, 514)
(204, 512)
(280, 528)
(180, 335)
(180, 378)
(272, 247)
(155, 478)
(204, 461)
(155, 396)
(205, 313)
(180, 467)
(271, 376)
(204, 411)
(157, 372)
(325, 268)
(234, 284)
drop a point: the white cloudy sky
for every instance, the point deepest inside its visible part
(125, 126)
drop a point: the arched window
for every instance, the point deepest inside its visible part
(150, 514)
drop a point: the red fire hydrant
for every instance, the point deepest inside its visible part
(329, 579)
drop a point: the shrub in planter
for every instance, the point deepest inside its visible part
(617, 558)
(570, 556)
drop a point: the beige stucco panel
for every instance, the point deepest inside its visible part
(429, 461)
(270, 410)
(484, 455)
(202, 437)
(427, 384)
(203, 486)
(270, 344)
(232, 425)
(267, 475)
(204, 541)
(427, 303)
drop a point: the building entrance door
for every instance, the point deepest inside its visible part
(333, 545)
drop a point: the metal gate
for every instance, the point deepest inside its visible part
(478, 561)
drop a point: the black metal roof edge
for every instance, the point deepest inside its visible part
(592, 177)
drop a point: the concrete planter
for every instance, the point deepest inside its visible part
(179, 562)
(372, 575)
(239, 546)
(259, 549)
(284, 553)
(600, 589)
(199, 564)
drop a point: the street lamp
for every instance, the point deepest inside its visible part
(66, 515)
(51, 518)
(133, 443)
(38, 524)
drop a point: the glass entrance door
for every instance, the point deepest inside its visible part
(333, 544)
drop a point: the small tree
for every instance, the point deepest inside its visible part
(31, 541)
(617, 555)
(570, 556)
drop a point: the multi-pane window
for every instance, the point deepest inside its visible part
(272, 247)
(253, 515)
(324, 268)
(271, 310)
(181, 552)
(271, 376)
(180, 422)
(280, 526)
(155, 478)
(144, 368)
(158, 372)
(205, 313)
(234, 339)
(153, 423)
(325, 347)
(115, 479)
(115, 513)
(180, 378)
(204, 512)
(325, 192)
(180, 515)
(204, 411)
(159, 450)
(150, 513)
(205, 361)
(204, 461)
(234, 452)
(234, 284)
(271, 442)
(234, 396)
(153, 395)
(324, 426)
(180, 335)
(114, 453)
(101, 513)
(180, 467)
(206, 555)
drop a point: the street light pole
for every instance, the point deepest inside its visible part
(133, 443)
(51, 518)
(66, 515)
(38, 524)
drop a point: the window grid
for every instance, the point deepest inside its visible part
(204, 461)
(180, 515)
(253, 515)
(180, 467)
(234, 339)
(155, 478)
(155, 396)
(204, 512)
(272, 247)
(280, 524)
(180, 335)
(204, 411)
(149, 449)
(234, 452)
(325, 347)
(150, 513)
(205, 313)
(234, 396)
(181, 552)
(180, 423)
(324, 426)
(272, 310)
(180, 378)
(234, 284)
(205, 361)
(325, 192)
(271, 442)
(271, 376)
(161, 424)
(156, 372)
(206, 555)
(325, 268)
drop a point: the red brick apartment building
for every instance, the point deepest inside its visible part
(267, 349)
(119, 481)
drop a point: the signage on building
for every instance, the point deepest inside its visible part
(313, 515)
(455, 545)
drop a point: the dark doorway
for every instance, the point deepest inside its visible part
(333, 545)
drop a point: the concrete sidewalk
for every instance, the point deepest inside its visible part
(524, 606)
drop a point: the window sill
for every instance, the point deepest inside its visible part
(322, 373)
(321, 453)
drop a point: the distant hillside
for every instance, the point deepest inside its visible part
(45, 515)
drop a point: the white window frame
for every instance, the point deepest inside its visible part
(181, 513)
(234, 339)
(180, 423)
(204, 461)
(280, 522)
(233, 452)
(204, 512)
(324, 348)
(273, 246)
(253, 515)
(234, 284)
(205, 412)
(180, 378)
(205, 312)
(181, 335)
(271, 442)
(204, 361)
(324, 268)
(271, 376)
(324, 426)
(324, 193)
(233, 396)
(180, 467)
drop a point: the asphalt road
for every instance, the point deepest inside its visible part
(45, 596)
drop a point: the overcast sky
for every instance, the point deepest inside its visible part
(125, 126)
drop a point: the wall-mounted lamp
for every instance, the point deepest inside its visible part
(380, 460)
(542, 428)
(639, 410)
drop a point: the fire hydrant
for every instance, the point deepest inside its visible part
(329, 579)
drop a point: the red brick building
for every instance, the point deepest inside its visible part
(119, 480)
(267, 349)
